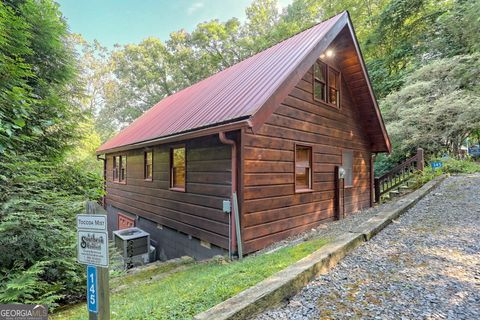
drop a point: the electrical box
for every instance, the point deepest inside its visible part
(227, 207)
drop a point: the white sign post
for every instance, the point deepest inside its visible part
(92, 243)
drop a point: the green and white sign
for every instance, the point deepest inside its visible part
(92, 240)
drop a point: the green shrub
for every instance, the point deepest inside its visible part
(452, 165)
(38, 205)
(422, 177)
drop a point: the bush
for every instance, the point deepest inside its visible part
(452, 165)
(38, 206)
(422, 177)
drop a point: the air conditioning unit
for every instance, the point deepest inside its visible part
(134, 246)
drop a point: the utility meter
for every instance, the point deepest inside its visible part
(341, 173)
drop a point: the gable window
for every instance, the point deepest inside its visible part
(303, 168)
(333, 87)
(119, 168)
(320, 81)
(326, 84)
(177, 168)
(347, 164)
(148, 165)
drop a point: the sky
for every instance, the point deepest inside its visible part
(131, 21)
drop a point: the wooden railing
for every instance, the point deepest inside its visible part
(398, 175)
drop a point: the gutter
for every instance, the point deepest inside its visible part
(104, 159)
(235, 235)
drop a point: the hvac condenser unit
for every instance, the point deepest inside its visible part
(134, 246)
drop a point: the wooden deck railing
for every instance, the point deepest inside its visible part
(398, 175)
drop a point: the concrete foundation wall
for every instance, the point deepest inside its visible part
(169, 243)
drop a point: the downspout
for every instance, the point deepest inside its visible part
(234, 216)
(104, 179)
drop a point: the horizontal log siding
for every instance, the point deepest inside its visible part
(198, 211)
(272, 211)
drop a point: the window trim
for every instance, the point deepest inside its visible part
(327, 85)
(353, 159)
(310, 189)
(145, 164)
(171, 187)
(121, 156)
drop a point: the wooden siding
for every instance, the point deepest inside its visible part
(272, 210)
(198, 211)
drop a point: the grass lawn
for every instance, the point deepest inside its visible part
(195, 288)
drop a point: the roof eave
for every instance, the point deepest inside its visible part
(388, 146)
(231, 126)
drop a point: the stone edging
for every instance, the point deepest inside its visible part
(290, 280)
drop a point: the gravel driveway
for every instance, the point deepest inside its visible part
(426, 265)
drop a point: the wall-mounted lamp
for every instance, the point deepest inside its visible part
(329, 53)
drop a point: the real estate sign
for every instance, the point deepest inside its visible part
(92, 240)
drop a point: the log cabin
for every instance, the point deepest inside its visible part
(253, 154)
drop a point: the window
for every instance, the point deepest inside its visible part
(177, 168)
(320, 81)
(303, 168)
(347, 164)
(123, 168)
(326, 84)
(119, 168)
(148, 165)
(116, 165)
(333, 85)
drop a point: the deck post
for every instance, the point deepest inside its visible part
(420, 159)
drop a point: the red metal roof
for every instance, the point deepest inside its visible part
(232, 94)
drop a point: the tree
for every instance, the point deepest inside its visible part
(14, 72)
(142, 77)
(395, 45)
(456, 31)
(437, 109)
(219, 42)
(40, 192)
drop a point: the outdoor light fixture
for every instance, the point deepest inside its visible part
(329, 53)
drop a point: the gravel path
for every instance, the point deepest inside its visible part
(426, 265)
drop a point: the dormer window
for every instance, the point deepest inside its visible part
(326, 84)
